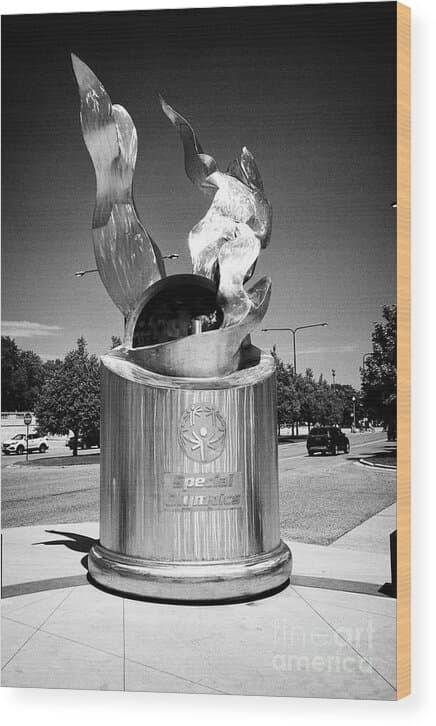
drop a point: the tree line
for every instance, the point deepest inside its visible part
(65, 394)
(303, 399)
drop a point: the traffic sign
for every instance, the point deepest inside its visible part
(27, 419)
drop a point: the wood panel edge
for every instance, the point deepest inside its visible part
(403, 351)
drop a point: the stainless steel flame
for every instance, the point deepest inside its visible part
(225, 244)
(127, 258)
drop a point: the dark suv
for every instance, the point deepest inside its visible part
(327, 439)
(85, 441)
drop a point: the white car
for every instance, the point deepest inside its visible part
(18, 444)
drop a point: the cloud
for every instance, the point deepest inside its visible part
(330, 349)
(24, 329)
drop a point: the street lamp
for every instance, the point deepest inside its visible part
(80, 273)
(334, 379)
(354, 414)
(172, 256)
(294, 331)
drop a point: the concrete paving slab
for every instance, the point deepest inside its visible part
(140, 678)
(31, 553)
(47, 661)
(91, 617)
(14, 635)
(385, 606)
(372, 535)
(339, 563)
(367, 623)
(371, 634)
(33, 609)
(277, 646)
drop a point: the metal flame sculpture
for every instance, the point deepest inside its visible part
(189, 466)
(224, 245)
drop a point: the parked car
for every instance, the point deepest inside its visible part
(327, 439)
(18, 444)
(85, 441)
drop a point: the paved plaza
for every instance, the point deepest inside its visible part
(331, 633)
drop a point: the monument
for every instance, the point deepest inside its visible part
(189, 505)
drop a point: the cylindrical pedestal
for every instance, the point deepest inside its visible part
(189, 485)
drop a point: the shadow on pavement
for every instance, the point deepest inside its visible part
(76, 542)
(288, 439)
(65, 460)
(387, 456)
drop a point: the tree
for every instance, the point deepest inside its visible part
(32, 377)
(51, 365)
(70, 396)
(288, 407)
(344, 394)
(10, 365)
(116, 341)
(22, 376)
(329, 406)
(302, 398)
(379, 375)
(306, 393)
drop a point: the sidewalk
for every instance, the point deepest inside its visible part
(331, 633)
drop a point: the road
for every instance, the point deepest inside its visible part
(321, 497)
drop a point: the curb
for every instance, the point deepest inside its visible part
(365, 462)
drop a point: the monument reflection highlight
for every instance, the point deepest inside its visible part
(189, 473)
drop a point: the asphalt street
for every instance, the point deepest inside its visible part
(321, 497)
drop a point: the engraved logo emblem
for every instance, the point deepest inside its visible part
(202, 433)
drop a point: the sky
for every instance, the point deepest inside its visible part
(310, 90)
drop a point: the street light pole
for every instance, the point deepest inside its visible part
(81, 273)
(27, 422)
(334, 379)
(354, 413)
(293, 331)
(295, 350)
